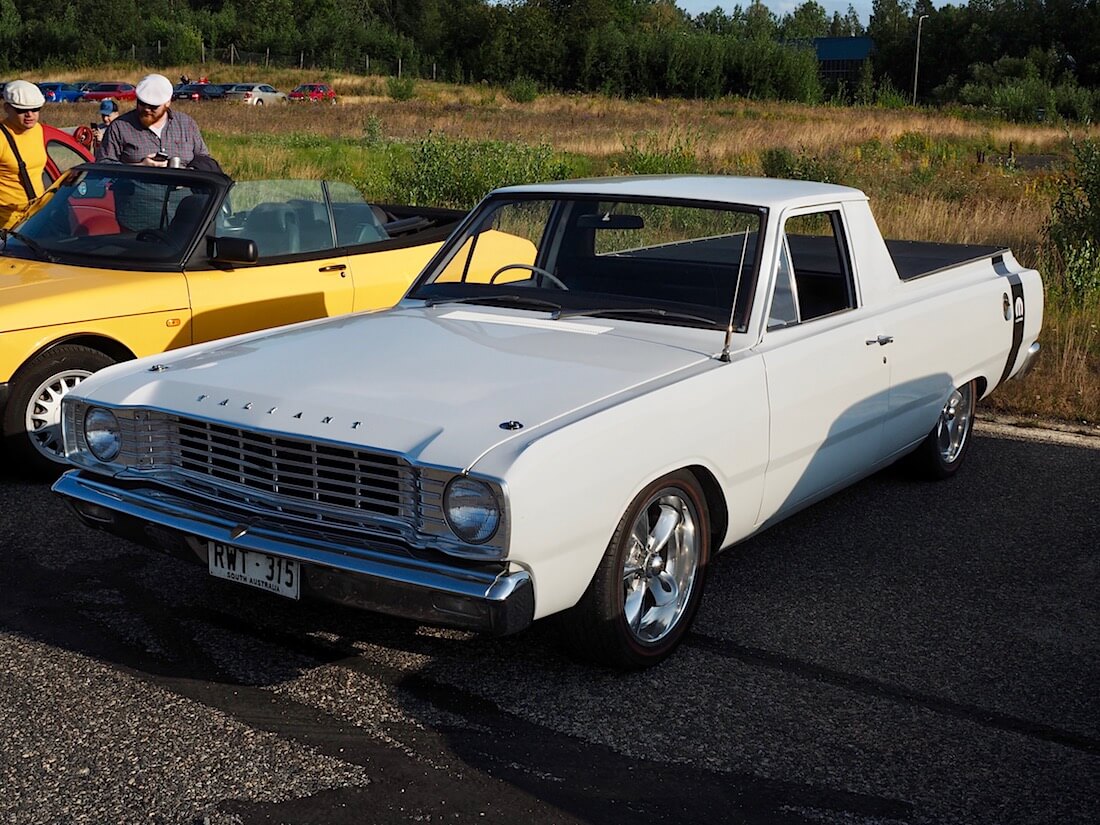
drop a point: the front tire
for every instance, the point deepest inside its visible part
(941, 453)
(644, 595)
(32, 419)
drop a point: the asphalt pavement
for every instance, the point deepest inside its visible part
(904, 652)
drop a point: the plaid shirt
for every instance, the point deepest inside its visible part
(127, 141)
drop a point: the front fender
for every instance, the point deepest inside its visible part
(568, 488)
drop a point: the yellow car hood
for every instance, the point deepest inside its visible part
(38, 294)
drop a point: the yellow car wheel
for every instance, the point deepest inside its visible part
(32, 419)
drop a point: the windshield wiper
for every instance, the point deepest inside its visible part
(655, 312)
(31, 244)
(522, 301)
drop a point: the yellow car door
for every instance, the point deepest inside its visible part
(300, 275)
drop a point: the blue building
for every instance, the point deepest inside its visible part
(841, 59)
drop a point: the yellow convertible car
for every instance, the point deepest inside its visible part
(119, 262)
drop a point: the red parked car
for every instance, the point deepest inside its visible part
(111, 91)
(313, 92)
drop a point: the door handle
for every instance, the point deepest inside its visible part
(333, 268)
(881, 340)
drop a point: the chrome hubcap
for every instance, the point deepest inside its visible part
(43, 419)
(954, 425)
(660, 567)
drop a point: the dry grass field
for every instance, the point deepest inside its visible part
(930, 175)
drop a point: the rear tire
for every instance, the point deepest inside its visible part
(32, 419)
(644, 595)
(942, 452)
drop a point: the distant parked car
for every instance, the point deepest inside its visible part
(61, 92)
(111, 91)
(198, 91)
(256, 94)
(313, 92)
(86, 85)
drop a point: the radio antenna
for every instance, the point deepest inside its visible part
(725, 356)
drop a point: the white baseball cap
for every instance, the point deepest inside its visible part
(154, 89)
(20, 94)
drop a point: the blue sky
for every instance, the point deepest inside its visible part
(780, 7)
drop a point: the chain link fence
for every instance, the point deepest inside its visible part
(163, 54)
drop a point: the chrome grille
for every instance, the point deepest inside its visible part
(287, 467)
(308, 485)
(320, 482)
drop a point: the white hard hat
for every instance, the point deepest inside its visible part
(20, 94)
(154, 89)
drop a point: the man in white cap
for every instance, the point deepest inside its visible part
(22, 150)
(152, 133)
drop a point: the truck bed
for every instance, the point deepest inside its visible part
(915, 259)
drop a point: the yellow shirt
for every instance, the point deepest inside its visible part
(13, 197)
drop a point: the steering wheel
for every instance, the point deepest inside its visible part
(152, 235)
(537, 270)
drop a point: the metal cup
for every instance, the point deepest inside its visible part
(175, 163)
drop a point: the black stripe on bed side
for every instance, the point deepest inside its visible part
(1017, 286)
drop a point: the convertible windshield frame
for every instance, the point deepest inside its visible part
(429, 288)
(80, 219)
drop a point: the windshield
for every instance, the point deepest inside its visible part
(122, 215)
(661, 262)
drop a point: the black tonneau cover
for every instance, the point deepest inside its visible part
(915, 259)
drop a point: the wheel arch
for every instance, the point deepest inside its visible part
(716, 503)
(102, 343)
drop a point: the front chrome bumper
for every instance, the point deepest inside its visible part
(487, 597)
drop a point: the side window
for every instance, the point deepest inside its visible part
(821, 271)
(63, 157)
(283, 217)
(357, 222)
(784, 309)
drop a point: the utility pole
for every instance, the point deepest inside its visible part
(916, 60)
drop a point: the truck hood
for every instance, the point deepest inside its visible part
(439, 385)
(38, 293)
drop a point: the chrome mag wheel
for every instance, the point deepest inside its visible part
(660, 565)
(956, 420)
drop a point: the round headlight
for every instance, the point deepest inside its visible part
(473, 513)
(101, 433)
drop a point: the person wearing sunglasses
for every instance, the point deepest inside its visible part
(152, 133)
(22, 150)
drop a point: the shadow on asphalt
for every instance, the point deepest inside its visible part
(851, 594)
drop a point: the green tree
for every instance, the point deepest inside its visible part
(805, 23)
(760, 23)
(11, 27)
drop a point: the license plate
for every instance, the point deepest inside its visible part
(261, 570)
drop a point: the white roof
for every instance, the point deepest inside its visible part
(773, 193)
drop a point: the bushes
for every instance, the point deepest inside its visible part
(1028, 89)
(783, 163)
(401, 88)
(653, 154)
(1074, 227)
(459, 173)
(522, 90)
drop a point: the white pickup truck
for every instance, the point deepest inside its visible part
(675, 364)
